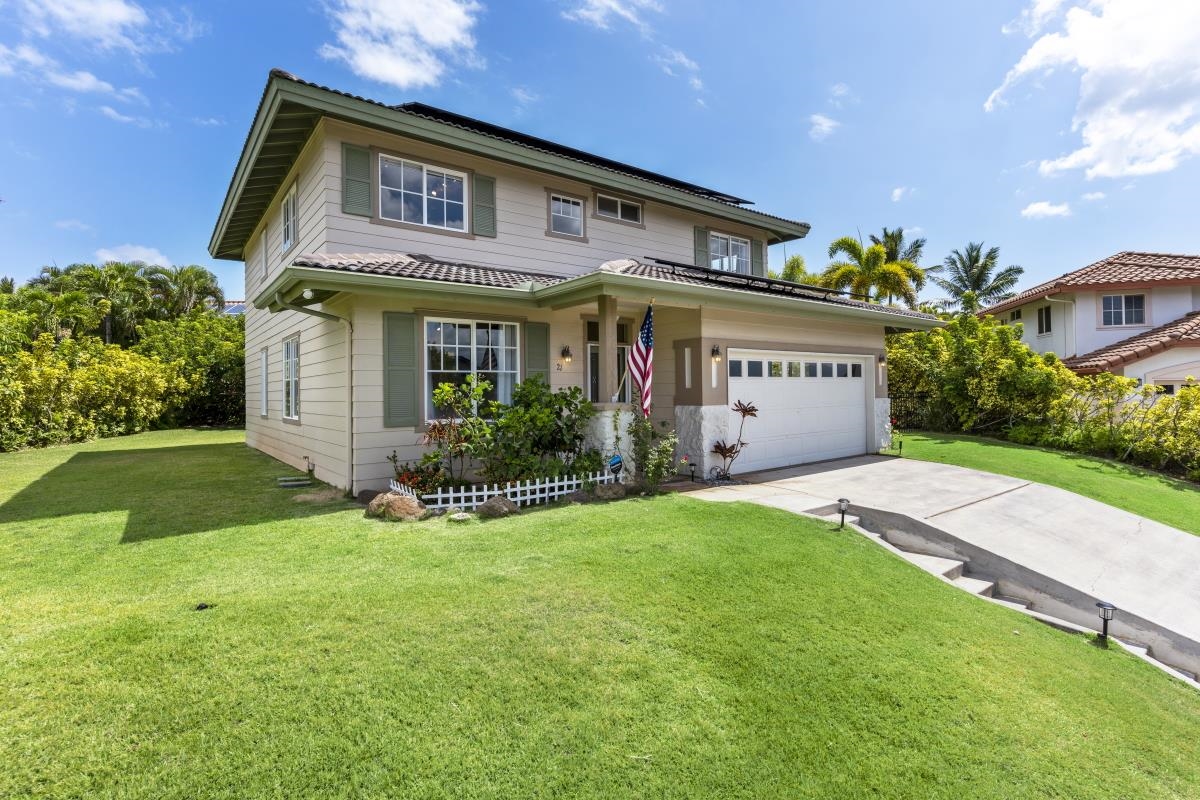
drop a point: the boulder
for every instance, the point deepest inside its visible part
(577, 497)
(397, 506)
(610, 491)
(367, 495)
(459, 517)
(496, 507)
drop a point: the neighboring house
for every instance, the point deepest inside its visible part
(1133, 314)
(391, 248)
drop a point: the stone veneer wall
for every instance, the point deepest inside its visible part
(883, 423)
(698, 428)
(602, 437)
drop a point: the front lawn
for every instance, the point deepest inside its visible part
(649, 648)
(1150, 494)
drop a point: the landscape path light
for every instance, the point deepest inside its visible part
(843, 506)
(1106, 614)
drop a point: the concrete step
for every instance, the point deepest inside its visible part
(836, 518)
(975, 585)
(946, 567)
(1011, 602)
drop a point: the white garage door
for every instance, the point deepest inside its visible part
(811, 406)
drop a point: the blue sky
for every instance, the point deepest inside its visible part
(1060, 130)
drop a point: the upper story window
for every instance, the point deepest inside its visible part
(618, 209)
(1123, 309)
(1014, 316)
(288, 212)
(422, 195)
(1044, 322)
(728, 253)
(566, 215)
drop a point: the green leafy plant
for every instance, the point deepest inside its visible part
(460, 433)
(540, 434)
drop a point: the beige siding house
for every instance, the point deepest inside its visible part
(391, 248)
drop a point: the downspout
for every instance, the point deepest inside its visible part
(349, 326)
(1071, 345)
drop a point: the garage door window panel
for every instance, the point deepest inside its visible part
(754, 369)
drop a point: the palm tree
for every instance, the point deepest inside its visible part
(7, 285)
(795, 270)
(177, 291)
(53, 279)
(869, 273)
(126, 290)
(971, 279)
(900, 250)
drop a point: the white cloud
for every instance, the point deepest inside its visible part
(1138, 111)
(1092, 197)
(678, 64)
(133, 252)
(822, 127)
(1034, 19)
(602, 13)
(141, 122)
(208, 122)
(109, 24)
(1042, 209)
(32, 65)
(899, 192)
(840, 94)
(403, 44)
(80, 81)
(72, 225)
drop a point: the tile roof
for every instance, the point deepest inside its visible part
(422, 267)
(1184, 331)
(1127, 267)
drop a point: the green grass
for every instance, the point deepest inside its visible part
(649, 648)
(1150, 494)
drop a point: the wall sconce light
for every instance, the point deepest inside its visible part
(1106, 613)
(566, 354)
(716, 354)
(843, 507)
(883, 358)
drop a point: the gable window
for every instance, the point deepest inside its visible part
(566, 215)
(1123, 309)
(618, 209)
(263, 370)
(291, 378)
(625, 390)
(422, 195)
(456, 348)
(1043, 320)
(288, 212)
(728, 253)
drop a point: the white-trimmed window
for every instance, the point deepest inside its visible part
(456, 348)
(624, 381)
(263, 386)
(566, 215)
(728, 253)
(291, 378)
(1014, 316)
(1123, 309)
(618, 209)
(288, 213)
(422, 195)
(1044, 320)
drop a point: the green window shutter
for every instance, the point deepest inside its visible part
(758, 265)
(401, 404)
(483, 206)
(701, 247)
(537, 350)
(356, 180)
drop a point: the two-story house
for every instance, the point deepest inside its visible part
(1133, 314)
(389, 249)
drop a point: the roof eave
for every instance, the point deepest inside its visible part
(357, 110)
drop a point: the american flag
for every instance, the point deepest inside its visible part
(641, 360)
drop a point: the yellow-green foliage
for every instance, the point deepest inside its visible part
(209, 352)
(79, 389)
(976, 374)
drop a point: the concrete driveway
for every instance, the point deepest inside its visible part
(1142, 566)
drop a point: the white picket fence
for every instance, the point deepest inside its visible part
(523, 493)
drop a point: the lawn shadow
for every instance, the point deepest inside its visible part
(167, 491)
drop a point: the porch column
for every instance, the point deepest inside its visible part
(608, 347)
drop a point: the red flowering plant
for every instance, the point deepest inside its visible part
(729, 451)
(421, 478)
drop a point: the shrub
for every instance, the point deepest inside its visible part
(539, 435)
(79, 389)
(208, 351)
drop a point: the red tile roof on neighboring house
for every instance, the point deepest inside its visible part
(1184, 331)
(1123, 268)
